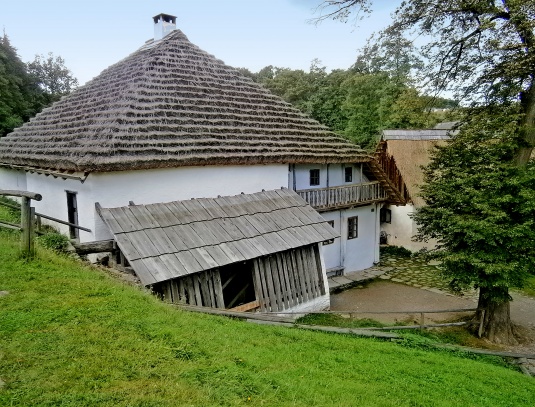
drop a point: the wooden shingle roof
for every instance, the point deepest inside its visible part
(171, 104)
(170, 240)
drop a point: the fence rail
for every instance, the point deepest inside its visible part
(29, 219)
(342, 196)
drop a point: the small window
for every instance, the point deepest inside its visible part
(353, 227)
(348, 174)
(72, 214)
(385, 215)
(315, 177)
(330, 241)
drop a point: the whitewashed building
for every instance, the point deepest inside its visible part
(402, 154)
(171, 123)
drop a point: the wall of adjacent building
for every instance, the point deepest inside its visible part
(402, 229)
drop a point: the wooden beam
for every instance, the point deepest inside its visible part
(246, 307)
(21, 194)
(99, 246)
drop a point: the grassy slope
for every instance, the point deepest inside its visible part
(73, 336)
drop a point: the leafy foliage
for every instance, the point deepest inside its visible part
(26, 89)
(52, 76)
(19, 94)
(54, 241)
(353, 103)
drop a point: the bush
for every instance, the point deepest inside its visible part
(54, 241)
(396, 251)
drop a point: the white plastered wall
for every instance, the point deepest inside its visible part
(13, 180)
(149, 186)
(402, 229)
(363, 251)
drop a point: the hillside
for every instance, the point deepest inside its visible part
(72, 335)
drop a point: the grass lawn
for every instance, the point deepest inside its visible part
(71, 335)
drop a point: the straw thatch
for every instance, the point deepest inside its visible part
(411, 150)
(171, 104)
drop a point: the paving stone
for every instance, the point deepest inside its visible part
(341, 280)
(332, 284)
(385, 277)
(2, 383)
(3, 293)
(356, 277)
(397, 280)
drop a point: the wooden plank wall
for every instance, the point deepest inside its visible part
(203, 289)
(287, 279)
(281, 281)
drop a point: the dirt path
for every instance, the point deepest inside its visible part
(380, 295)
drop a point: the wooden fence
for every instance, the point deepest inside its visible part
(30, 221)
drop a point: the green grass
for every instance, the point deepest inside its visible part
(71, 335)
(529, 287)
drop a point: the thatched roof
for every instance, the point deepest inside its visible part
(171, 240)
(171, 104)
(411, 151)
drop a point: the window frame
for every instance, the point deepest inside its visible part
(352, 227)
(315, 177)
(348, 173)
(330, 241)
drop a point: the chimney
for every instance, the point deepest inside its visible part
(163, 25)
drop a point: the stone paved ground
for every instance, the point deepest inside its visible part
(417, 272)
(413, 271)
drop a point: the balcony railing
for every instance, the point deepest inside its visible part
(344, 196)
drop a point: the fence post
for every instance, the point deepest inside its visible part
(25, 224)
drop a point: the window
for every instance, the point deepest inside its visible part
(72, 214)
(330, 241)
(315, 177)
(353, 227)
(348, 174)
(385, 215)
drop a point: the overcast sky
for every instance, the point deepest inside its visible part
(91, 35)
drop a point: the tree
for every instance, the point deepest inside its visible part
(19, 95)
(485, 52)
(481, 208)
(389, 53)
(52, 76)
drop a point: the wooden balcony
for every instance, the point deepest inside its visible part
(344, 196)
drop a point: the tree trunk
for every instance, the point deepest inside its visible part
(497, 326)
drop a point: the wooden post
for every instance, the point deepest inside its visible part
(421, 320)
(31, 232)
(25, 224)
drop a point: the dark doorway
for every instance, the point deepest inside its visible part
(237, 283)
(72, 214)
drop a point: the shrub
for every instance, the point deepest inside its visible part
(54, 241)
(396, 251)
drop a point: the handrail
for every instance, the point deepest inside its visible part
(340, 186)
(40, 215)
(343, 196)
(22, 194)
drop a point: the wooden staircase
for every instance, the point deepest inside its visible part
(385, 170)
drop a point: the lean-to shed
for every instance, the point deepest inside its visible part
(250, 250)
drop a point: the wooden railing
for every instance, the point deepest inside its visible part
(343, 196)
